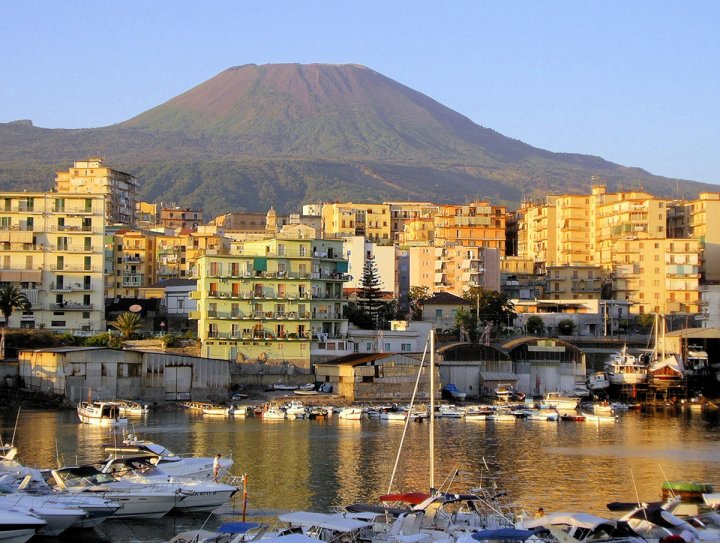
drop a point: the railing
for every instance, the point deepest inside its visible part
(73, 287)
(76, 249)
(71, 306)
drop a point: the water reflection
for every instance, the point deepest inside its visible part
(318, 465)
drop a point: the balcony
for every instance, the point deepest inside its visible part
(70, 287)
(71, 306)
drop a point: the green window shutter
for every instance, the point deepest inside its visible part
(342, 267)
(260, 263)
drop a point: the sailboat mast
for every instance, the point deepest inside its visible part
(432, 410)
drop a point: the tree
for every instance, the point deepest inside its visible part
(369, 295)
(127, 324)
(417, 298)
(11, 298)
(535, 325)
(566, 327)
(491, 305)
(467, 325)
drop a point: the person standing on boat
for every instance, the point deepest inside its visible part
(540, 512)
(216, 467)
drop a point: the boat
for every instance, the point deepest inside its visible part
(578, 527)
(453, 392)
(555, 400)
(501, 415)
(282, 386)
(580, 390)
(271, 412)
(696, 361)
(132, 408)
(100, 413)
(602, 408)
(58, 517)
(196, 406)
(625, 369)
(218, 410)
(665, 372)
(137, 501)
(572, 417)
(351, 413)
(506, 393)
(18, 526)
(594, 417)
(544, 415)
(175, 465)
(197, 495)
(450, 412)
(597, 382)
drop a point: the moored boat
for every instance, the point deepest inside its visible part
(100, 413)
(555, 400)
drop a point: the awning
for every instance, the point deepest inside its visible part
(497, 376)
(21, 276)
(260, 263)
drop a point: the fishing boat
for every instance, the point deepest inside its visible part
(555, 400)
(218, 410)
(100, 413)
(625, 369)
(351, 413)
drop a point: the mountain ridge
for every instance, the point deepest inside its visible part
(311, 132)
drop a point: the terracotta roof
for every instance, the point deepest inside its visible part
(445, 298)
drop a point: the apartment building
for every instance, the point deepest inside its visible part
(52, 249)
(573, 282)
(477, 224)
(403, 213)
(348, 219)
(183, 218)
(657, 275)
(135, 263)
(699, 219)
(458, 268)
(272, 300)
(92, 176)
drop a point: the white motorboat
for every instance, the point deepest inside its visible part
(271, 412)
(100, 413)
(595, 417)
(174, 465)
(351, 413)
(130, 408)
(555, 400)
(18, 526)
(597, 381)
(137, 501)
(696, 361)
(391, 414)
(625, 369)
(57, 517)
(574, 527)
(295, 409)
(580, 390)
(198, 495)
(501, 415)
(451, 412)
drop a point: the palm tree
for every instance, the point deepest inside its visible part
(11, 298)
(127, 324)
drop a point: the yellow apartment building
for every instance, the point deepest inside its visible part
(421, 259)
(537, 232)
(135, 264)
(477, 224)
(622, 215)
(700, 219)
(573, 282)
(404, 213)
(419, 231)
(458, 268)
(51, 247)
(93, 176)
(272, 300)
(572, 219)
(177, 217)
(357, 219)
(657, 275)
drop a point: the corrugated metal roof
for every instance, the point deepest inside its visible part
(702, 333)
(498, 376)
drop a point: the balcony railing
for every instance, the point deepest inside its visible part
(71, 306)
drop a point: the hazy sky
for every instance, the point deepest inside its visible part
(636, 82)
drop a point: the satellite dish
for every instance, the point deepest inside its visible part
(135, 308)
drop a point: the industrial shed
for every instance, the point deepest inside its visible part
(475, 369)
(545, 365)
(382, 377)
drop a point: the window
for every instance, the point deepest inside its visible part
(406, 347)
(438, 313)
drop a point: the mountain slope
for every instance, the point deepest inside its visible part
(290, 133)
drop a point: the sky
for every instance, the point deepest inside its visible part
(635, 82)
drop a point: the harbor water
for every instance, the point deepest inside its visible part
(323, 464)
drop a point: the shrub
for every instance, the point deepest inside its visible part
(566, 327)
(535, 325)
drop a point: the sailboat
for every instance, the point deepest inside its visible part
(665, 370)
